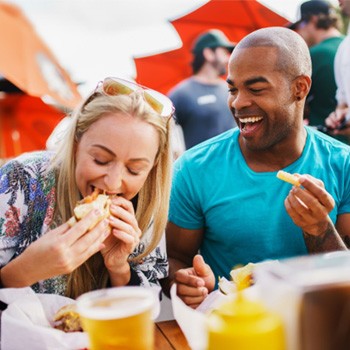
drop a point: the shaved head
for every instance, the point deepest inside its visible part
(293, 53)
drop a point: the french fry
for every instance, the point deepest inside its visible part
(292, 179)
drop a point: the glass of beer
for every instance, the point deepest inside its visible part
(119, 318)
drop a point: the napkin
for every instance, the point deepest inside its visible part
(27, 322)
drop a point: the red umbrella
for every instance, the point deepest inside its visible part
(25, 123)
(236, 18)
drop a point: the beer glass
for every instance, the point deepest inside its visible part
(119, 318)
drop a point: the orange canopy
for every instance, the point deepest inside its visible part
(26, 61)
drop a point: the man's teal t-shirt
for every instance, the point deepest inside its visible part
(242, 211)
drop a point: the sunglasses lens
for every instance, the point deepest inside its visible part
(159, 102)
(117, 87)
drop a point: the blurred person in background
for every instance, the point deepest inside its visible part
(339, 120)
(320, 25)
(117, 143)
(200, 101)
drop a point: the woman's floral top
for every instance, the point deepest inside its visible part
(27, 203)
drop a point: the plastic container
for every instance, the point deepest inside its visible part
(312, 295)
(245, 324)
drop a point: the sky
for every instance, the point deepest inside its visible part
(96, 38)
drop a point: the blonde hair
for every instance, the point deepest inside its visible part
(153, 198)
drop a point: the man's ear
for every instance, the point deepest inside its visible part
(301, 87)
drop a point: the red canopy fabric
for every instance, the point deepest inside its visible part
(25, 123)
(235, 18)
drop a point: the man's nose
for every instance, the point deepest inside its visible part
(239, 100)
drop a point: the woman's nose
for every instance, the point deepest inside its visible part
(114, 179)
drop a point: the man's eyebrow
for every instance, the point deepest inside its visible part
(255, 80)
(250, 81)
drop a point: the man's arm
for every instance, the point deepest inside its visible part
(187, 269)
(331, 240)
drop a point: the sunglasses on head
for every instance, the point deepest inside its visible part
(117, 86)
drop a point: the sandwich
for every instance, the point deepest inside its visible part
(94, 201)
(67, 319)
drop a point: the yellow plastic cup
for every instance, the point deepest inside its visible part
(118, 318)
(245, 324)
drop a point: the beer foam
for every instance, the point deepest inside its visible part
(113, 303)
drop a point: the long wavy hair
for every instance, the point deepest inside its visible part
(152, 199)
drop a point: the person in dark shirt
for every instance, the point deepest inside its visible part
(200, 100)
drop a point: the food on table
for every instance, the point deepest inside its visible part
(292, 179)
(242, 277)
(93, 201)
(67, 319)
(225, 286)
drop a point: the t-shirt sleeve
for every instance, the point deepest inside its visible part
(344, 205)
(185, 209)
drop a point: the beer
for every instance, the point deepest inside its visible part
(118, 318)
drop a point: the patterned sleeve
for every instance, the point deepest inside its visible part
(154, 266)
(26, 200)
(13, 208)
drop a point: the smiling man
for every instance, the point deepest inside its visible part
(227, 203)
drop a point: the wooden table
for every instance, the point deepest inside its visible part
(169, 336)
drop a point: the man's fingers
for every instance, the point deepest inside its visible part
(187, 277)
(185, 290)
(315, 197)
(191, 296)
(200, 267)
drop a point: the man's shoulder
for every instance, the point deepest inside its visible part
(321, 140)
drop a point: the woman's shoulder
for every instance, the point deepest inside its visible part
(28, 167)
(29, 159)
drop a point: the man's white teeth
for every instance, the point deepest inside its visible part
(250, 119)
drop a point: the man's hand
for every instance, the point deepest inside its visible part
(195, 283)
(309, 206)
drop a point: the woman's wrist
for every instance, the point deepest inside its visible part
(14, 276)
(120, 276)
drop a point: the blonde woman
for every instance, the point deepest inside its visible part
(119, 143)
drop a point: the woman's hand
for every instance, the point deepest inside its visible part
(59, 251)
(121, 243)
